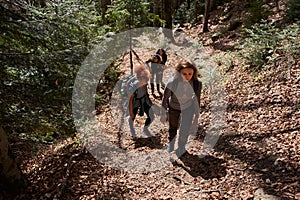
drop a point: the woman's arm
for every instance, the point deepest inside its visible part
(166, 96)
(165, 104)
(130, 103)
(197, 108)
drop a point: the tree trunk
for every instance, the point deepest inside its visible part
(167, 13)
(42, 3)
(156, 12)
(38, 3)
(167, 16)
(176, 4)
(208, 4)
(188, 4)
(9, 173)
(104, 6)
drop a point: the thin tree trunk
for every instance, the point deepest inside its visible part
(104, 6)
(42, 3)
(167, 13)
(177, 4)
(156, 12)
(206, 15)
(167, 16)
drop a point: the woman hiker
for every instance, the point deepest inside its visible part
(181, 101)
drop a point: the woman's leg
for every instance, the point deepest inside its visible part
(150, 114)
(131, 122)
(150, 117)
(186, 123)
(158, 82)
(161, 80)
(152, 82)
(173, 116)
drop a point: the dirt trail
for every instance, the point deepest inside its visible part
(258, 150)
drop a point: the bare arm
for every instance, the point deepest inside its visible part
(166, 96)
(131, 106)
(197, 109)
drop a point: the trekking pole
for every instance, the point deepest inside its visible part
(130, 41)
(130, 54)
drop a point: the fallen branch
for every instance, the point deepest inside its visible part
(178, 178)
(210, 191)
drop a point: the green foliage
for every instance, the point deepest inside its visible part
(124, 15)
(224, 61)
(189, 13)
(216, 3)
(293, 10)
(257, 11)
(193, 11)
(288, 52)
(41, 53)
(260, 41)
(106, 85)
(264, 44)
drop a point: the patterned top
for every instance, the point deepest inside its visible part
(180, 95)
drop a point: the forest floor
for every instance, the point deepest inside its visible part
(257, 155)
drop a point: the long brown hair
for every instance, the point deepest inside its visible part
(187, 64)
(142, 72)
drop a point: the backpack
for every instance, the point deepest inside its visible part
(129, 85)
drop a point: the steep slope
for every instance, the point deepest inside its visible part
(257, 153)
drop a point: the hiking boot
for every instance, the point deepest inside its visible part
(147, 132)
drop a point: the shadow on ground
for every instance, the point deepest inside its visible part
(208, 167)
(151, 142)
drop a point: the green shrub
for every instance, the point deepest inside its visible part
(293, 10)
(257, 11)
(264, 44)
(124, 15)
(41, 53)
(189, 13)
